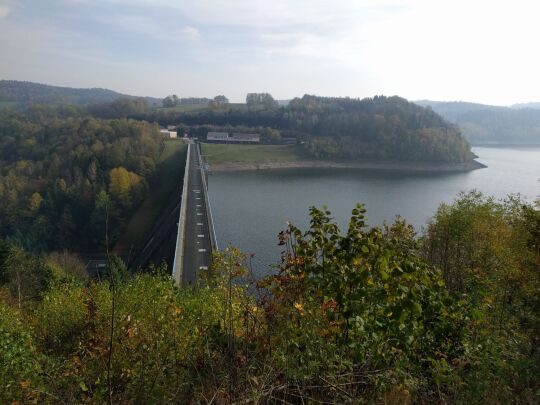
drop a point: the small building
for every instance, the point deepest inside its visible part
(245, 138)
(217, 137)
(171, 127)
(168, 134)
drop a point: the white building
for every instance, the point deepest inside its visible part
(217, 137)
(235, 138)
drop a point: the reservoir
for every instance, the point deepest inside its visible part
(251, 207)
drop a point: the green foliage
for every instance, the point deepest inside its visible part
(488, 253)
(360, 303)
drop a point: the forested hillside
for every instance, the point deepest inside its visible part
(343, 128)
(60, 177)
(23, 94)
(332, 128)
(381, 128)
(492, 124)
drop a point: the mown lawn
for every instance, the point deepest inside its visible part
(167, 179)
(227, 153)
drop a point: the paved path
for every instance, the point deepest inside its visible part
(197, 247)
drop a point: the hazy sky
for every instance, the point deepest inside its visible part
(473, 50)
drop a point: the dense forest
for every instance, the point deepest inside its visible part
(491, 124)
(368, 315)
(24, 94)
(343, 128)
(62, 176)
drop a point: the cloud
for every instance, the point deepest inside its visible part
(190, 31)
(263, 13)
(478, 50)
(149, 27)
(4, 10)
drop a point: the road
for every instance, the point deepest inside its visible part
(197, 245)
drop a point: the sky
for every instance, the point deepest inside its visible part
(468, 50)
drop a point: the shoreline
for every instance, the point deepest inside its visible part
(366, 165)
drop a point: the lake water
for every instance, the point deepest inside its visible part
(251, 207)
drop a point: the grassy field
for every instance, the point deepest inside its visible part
(169, 174)
(226, 153)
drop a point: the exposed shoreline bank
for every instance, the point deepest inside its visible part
(365, 164)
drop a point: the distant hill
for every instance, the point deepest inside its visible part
(21, 94)
(527, 105)
(454, 110)
(482, 124)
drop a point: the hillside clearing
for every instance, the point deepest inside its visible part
(226, 153)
